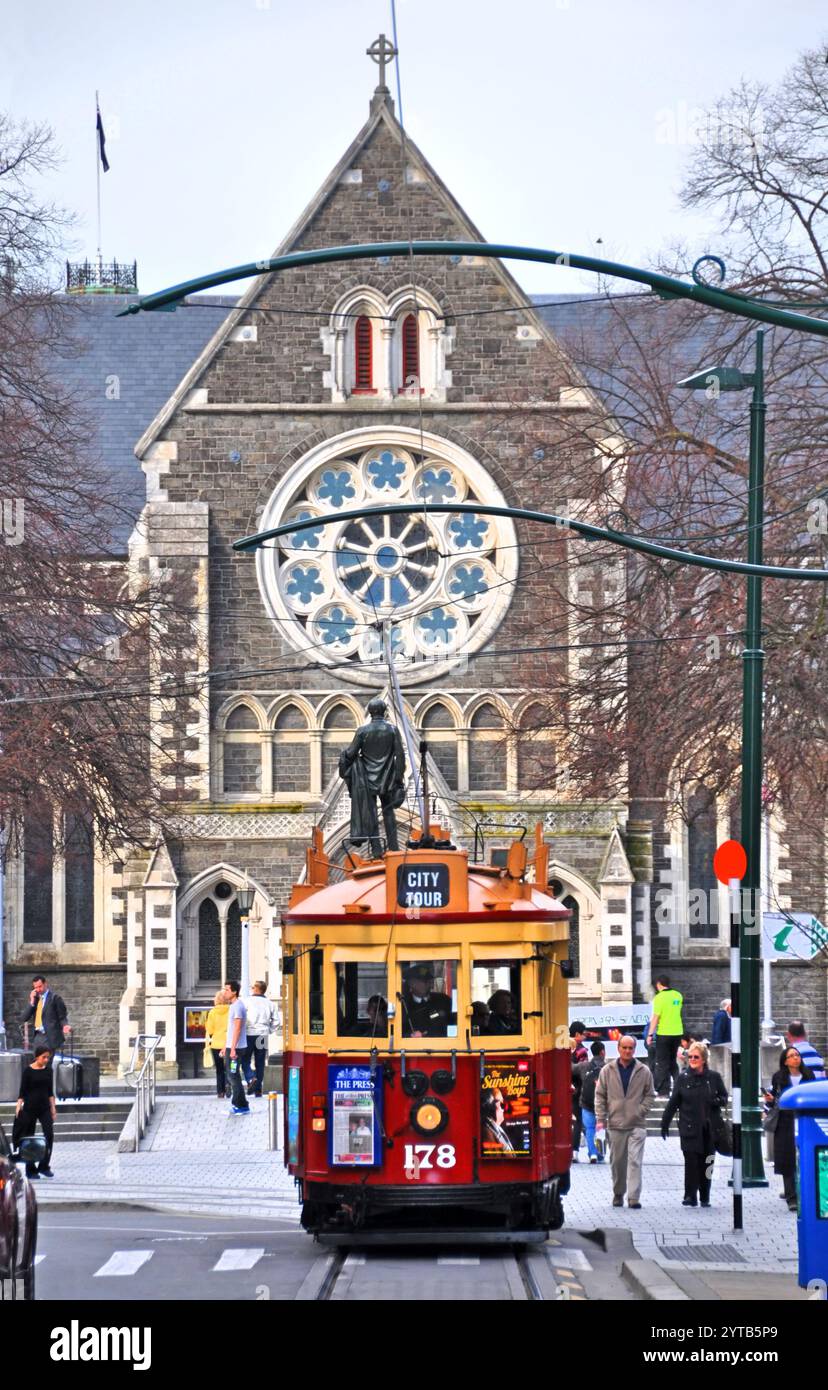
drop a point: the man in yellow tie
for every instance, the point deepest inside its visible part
(49, 1013)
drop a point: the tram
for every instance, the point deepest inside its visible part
(427, 1059)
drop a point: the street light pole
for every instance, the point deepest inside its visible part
(753, 658)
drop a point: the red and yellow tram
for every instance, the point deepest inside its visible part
(427, 1060)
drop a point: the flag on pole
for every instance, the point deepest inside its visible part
(101, 140)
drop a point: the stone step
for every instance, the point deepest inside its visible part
(80, 1120)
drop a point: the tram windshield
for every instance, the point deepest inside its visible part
(428, 1001)
(496, 1002)
(361, 999)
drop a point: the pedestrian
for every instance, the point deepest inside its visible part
(49, 1013)
(623, 1097)
(792, 1072)
(236, 1049)
(666, 1027)
(577, 1033)
(36, 1101)
(721, 1032)
(590, 1071)
(216, 1037)
(261, 1020)
(700, 1098)
(797, 1036)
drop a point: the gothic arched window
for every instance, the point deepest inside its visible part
(363, 354)
(487, 750)
(291, 751)
(242, 763)
(410, 353)
(338, 730)
(38, 866)
(702, 841)
(79, 876)
(536, 750)
(441, 735)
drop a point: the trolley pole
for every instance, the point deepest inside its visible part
(736, 1046)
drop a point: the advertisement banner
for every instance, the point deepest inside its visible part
(195, 1022)
(292, 1137)
(355, 1106)
(506, 1111)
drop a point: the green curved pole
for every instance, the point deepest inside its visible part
(663, 284)
(564, 523)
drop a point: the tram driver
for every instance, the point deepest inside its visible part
(425, 1014)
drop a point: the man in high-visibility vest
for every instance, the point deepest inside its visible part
(667, 1028)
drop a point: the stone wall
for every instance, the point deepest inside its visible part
(92, 995)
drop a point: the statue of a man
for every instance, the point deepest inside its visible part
(373, 766)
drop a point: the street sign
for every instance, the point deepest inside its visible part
(792, 936)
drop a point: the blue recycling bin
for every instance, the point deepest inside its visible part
(809, 1101)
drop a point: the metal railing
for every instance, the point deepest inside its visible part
(141, 1075)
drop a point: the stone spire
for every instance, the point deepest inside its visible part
(382, 52)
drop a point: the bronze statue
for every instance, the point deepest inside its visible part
(373, 766)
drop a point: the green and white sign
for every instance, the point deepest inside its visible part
(792, 936)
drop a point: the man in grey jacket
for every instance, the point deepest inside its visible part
(623, 1096)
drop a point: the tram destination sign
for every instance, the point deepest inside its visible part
(423, 885)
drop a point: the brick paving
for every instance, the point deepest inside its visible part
(767, 1243)
(198, 1157)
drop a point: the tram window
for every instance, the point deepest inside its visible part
(361, 999)
(496, 1004)
(428, 1002)
(316, 998)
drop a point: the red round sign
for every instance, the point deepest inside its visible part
(730, 861)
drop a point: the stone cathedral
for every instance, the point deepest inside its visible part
(318, 391)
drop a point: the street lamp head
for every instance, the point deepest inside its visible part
(718, 379)
(244, 898)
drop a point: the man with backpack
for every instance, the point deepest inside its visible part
(590, 1071)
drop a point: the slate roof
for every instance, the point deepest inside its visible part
(148, 354)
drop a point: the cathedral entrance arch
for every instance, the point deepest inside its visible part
(585, 929)
(209, 933)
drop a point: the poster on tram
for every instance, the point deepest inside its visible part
(354, 1117)
(506, 1111)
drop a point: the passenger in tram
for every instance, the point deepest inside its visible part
(480, 1016)
(425, 1014)
(502, 1009)
(376, 1024)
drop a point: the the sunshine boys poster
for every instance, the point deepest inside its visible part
(506, 1111)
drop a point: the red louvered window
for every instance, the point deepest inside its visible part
(363, 364)
(410, 352)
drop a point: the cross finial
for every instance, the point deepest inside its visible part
(382, 52)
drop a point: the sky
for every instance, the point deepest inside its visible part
(553, 122)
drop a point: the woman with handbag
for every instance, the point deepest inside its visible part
(700, 1097)
(792, 1072)
(216, 1041)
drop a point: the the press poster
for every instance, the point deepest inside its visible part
(506, 1111)
(354, 1117)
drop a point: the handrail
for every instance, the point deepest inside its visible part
(143, 1079)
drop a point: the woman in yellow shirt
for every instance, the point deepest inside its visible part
(216, 1030)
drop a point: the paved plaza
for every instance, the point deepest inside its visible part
(199, 1158)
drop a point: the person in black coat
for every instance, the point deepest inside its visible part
(792, 1072)
(49, 1013)
(699, 1096)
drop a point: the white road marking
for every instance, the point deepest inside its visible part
(569, 1258)
(237, 1259)
(459, 1260)
(123, 1262)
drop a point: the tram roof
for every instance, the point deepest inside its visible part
(370, 893)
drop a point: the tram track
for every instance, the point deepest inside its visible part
(353, 1275)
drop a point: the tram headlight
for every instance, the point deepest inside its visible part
(429, 1117)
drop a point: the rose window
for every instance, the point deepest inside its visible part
(438, 583)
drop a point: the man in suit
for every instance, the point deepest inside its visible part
(49, 1013)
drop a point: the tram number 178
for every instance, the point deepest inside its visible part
(419, 1156)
